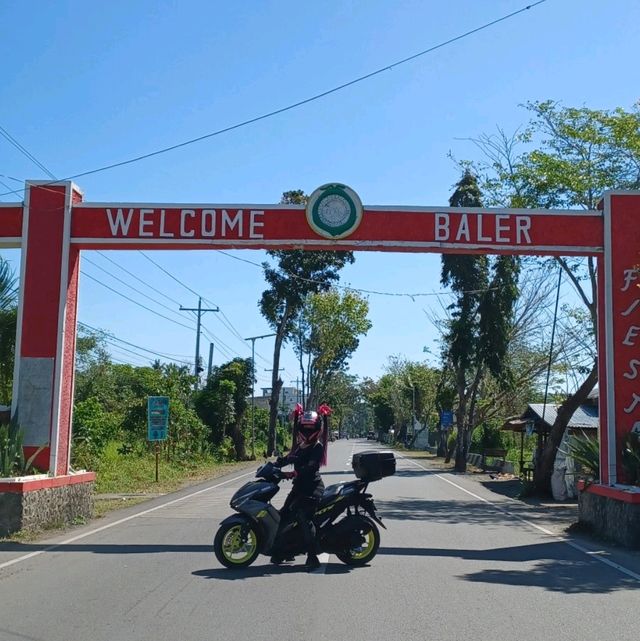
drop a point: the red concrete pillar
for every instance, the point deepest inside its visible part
(45, 342)
(619, 330)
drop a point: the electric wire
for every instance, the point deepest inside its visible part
(358, 289)
(304, 101)
(140, 280)
(110, 336)
(115, 291)
(7, 136)
(91, 262)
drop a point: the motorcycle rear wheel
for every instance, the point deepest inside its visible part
(236, 545)
(363, 553)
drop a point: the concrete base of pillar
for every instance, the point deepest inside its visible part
(34, 503)
(613, 513)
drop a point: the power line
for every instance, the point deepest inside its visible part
(135, 302)
(144, 349)
(130, 286)
(173, 300)
(357, 289)
(305, 101)
(5, 134)
(193, 291)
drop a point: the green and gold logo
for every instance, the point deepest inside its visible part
(334, 210)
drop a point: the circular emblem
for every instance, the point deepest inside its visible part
(334, 210)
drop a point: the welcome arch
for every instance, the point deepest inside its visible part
(54, 225)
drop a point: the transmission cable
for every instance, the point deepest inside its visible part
(305, 101)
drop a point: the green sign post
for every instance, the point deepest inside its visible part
(157, 422)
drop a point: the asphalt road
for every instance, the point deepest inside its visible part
(451, 566)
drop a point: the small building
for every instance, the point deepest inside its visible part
(539, 418)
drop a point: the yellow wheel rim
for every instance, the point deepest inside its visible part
(364, 550)
(236, 550)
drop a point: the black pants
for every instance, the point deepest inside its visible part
(301, 508)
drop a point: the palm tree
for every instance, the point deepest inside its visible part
(8, 321)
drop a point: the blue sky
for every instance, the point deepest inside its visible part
(88, 84)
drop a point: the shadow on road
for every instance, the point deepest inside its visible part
(265, 571)
(556, 568)
(462, 512)
(106, 548)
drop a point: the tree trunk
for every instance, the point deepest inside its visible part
(544, 469)
(461, 449)
(238, 440)
(276, 383)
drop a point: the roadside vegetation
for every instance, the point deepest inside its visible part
(494, 355)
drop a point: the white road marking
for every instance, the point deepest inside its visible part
(31, 555)
(561, 539)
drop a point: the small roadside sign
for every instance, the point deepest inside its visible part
(446, 419)
(157, 418)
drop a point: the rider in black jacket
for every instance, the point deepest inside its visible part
(308, 454)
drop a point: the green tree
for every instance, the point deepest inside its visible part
(336, 322)
(481, 318)
(564, 157)
(222, 404)
(295, 275)
(8, 320)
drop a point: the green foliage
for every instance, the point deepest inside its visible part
(586, 452)
(222, 404)
(12, 459)
(336, 321)
(481, 321)
(488, 436)
(631, 457)
(8, 317)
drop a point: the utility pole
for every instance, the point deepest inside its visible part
(253, 340)
(210, 361)
(275, 443)
(200, 311)
(297, 382)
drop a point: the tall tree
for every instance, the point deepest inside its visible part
(481, 318)
(8, 317)
(222, 404)
(335, 323)
(564, 157)
(295, 275)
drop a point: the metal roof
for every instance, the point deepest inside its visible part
(585, 417)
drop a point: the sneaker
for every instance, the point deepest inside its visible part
(312, 562)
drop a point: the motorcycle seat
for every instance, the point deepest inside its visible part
(331, 492)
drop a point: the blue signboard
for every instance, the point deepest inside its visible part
(446, 419)
(157, 418)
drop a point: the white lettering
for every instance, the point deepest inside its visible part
(442, 227)
(523, 225)
(253, 223)
(634, 330)
(631, 307)
(163, 233)
(145, 223)
(634, 402)
(480, 236)
(231, 224)
(119, 222)
(183, 219)
(463, 228)
(208, 226)
(633, 363)
(629, 276)
(500, 228)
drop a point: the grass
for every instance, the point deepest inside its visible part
(130, 474)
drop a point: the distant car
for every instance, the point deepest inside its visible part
(371, 436)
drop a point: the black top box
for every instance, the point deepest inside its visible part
(373, 465)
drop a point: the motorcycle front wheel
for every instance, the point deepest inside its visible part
(365, 541)
(236, 545)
